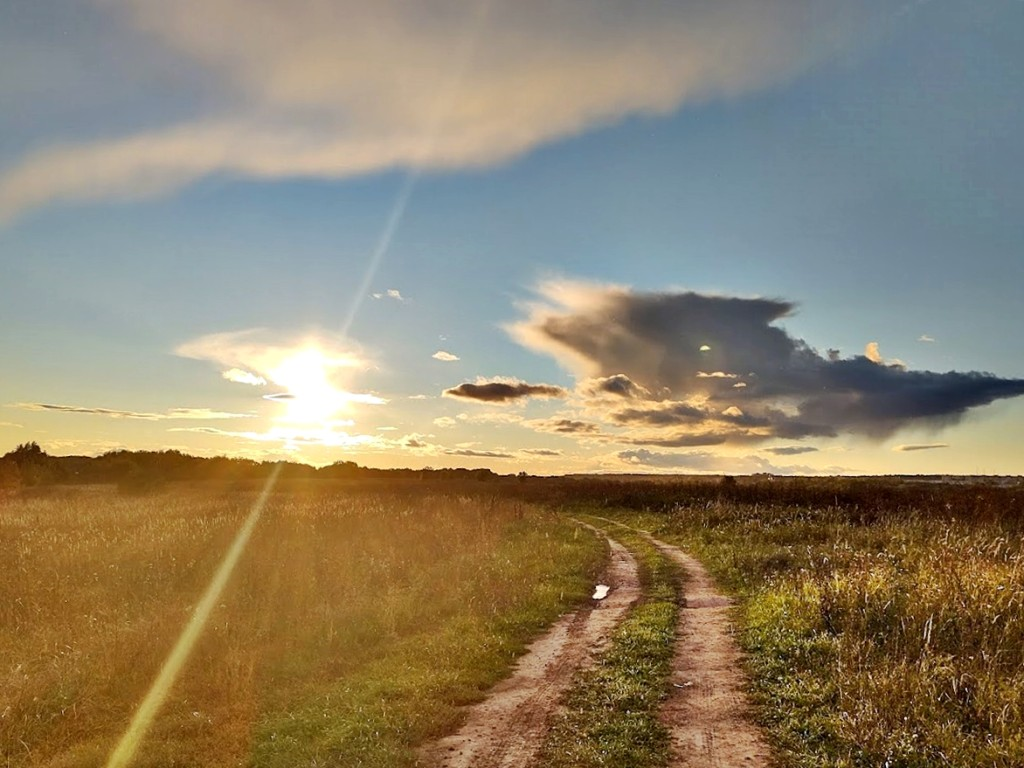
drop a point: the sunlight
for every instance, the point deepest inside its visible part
(312, 396)
(154, 699)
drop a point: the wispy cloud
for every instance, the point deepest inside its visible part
(293, 437)
(444, 357)
(390, 293)
(200, 414)
(790, 450)
(926, 339)
(701, 461)
(563, 426)
(920, 446)
(478, 454)
(239, 376)
(503, 390)
(321, 89)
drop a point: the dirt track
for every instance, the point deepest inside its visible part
(707, 712)
(508, 727)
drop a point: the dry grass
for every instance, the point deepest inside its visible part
(395, 607)
(895, 642)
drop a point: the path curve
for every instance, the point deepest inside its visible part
(506, 729)
(708, 714)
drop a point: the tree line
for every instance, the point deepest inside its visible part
(29, 465)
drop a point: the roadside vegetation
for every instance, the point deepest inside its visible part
(354, 627)
(876, 637)
(610, 715)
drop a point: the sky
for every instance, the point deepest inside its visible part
(737, 236)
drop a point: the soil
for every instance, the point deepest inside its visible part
(506, 729)
(707, 713)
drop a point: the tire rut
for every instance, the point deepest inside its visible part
(708, 715)
(506, 729)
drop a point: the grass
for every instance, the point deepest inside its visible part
(610, 714)
(354, 626)
(896, 641)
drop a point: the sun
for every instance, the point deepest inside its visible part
(312, 394)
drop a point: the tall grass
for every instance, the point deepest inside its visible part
(353, 627)
(897, 641)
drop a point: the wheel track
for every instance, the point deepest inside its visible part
(506, 729)
(708, 715)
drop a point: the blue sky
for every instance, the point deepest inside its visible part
(192, 191)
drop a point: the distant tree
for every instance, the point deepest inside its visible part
(27, 453)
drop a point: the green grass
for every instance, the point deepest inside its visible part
(354, 626)
(610, 715)
(897, 641)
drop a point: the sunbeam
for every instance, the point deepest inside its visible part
(422, 155)
(151, 704)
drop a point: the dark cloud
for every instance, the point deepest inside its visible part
(721, 360)
(662, 415)
(540, 452)
(280, 396)
(685, 440)
(564, 426)
(478, 454)
(619, 385)
(501, 391)
(921, 447)
(790, 450)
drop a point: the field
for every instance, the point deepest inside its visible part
(352, 628)
(883, 622)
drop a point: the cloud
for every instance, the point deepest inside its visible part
(332, 89)
(503, 390)
(871, 352)
(920, 446)
(315, 370)
(478, 454)
(790, 450)
(925, 338)
(293, 437)
(540, 452)
(390, 293)
(239, 376)
(200, 414)
(445, 422)
(563, 426)
(700, 461)
(444, 357)
(791, 391)
(618, 385)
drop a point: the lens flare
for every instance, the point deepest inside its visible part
(151, 704)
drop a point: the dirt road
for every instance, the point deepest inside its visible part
(507, 728)
(707, 713)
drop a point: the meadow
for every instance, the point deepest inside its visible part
(883, 620)
(878, 632)
(353, 627)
